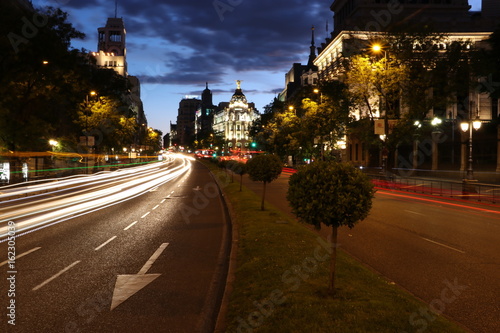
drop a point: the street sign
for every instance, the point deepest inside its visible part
(88, 141)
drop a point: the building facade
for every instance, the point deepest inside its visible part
(233, 120)
(112, 54)
(301, 75)
(186, 120)
(356, 23)
(204, 116)
(111, 46)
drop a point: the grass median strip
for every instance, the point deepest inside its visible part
(281, 281)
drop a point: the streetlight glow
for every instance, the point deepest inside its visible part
(376, 48)
(476, 124)
(436, 121)
(468, 126)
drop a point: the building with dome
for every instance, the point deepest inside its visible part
(233, 120)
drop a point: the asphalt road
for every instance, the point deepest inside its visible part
(155, 263)
(446, 252)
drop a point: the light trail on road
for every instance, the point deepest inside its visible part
(68, 198)
(435, 201)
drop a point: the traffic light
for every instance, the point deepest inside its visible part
(253, 145)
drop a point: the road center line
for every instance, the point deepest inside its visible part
(156, 207)
(130, 225)
(151, 260)
(104, 244)
(163, 200)
(410, 211)
(22, 255)
(437, 243)
(55, 276)
(143, 216)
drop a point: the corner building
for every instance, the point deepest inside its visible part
(233, 120)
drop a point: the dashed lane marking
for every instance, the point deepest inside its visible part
(104, 244)
(56, 275)
(22, 255)
(130, 225)
(443, 245)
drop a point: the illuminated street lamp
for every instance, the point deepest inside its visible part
(377, 48)
(92, 93)
(467, 126)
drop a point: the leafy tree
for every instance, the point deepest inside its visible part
(106, 118)
(283, 130)
(153, 139)
(325, 122)
(38, 78)
(43, 80)
(264, 168)
(370, 79)
(333, 194)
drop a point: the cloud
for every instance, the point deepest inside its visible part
(200, 39)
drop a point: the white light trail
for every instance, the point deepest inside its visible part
(47, 211)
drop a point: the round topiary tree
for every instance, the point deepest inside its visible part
(264, 168)
(335, 194)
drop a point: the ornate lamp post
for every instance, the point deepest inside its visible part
(467, 126)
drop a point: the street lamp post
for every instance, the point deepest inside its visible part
(377, 48)
(467, 126)
(91, 93)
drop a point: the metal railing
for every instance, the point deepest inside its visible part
(468, 190)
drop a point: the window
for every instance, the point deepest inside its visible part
(115, 36)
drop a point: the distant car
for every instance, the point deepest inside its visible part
(209, 153)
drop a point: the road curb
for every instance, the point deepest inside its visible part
(221, 323)
(215, 310)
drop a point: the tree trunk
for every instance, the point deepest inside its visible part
(333, 244)
(263, 196)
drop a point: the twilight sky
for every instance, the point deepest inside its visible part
(174, 46)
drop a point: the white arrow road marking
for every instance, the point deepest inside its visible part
(197, 188)
(128, 285)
